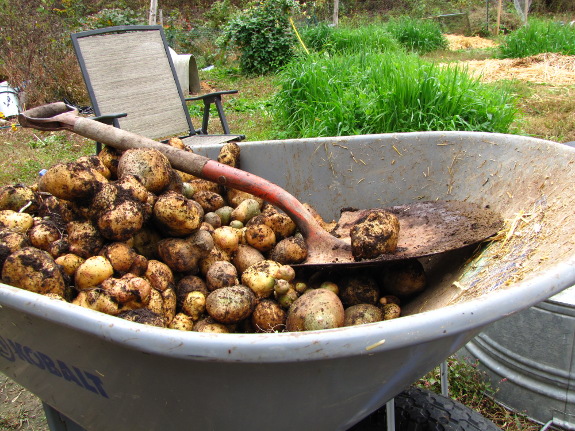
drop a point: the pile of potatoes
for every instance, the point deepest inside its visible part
(127, 235)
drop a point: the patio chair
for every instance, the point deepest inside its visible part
(132, 84)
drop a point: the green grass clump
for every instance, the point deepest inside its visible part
(383, 93)
(368, 38)
(537, 37)
(421, 36)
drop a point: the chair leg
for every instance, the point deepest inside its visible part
(217, 99)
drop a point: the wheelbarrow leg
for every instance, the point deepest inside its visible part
(58, 422)
(390, 415)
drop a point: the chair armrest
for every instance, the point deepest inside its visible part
(109, 118)
(209, 95)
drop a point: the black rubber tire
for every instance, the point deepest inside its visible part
(418, 409)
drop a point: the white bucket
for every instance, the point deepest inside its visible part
(9, 104)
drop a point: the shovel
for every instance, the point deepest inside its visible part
(426, 228)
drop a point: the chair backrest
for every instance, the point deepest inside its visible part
(129, 69)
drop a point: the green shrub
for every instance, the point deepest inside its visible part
(263, 35)
(421, 36)
(113, 17)
(381, 93)
(537, 37)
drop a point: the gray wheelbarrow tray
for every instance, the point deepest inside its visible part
(105, 373)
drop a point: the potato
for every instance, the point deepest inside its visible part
(70, 181)
(176, 215)
(187, 284)
(225, 214)
(169, 305)
(160, 275)
(285, 300)
(226, 238)
(32, 269)
(194, 304)
(130, 185)
(156, 303)
(362, 313)
(129, 291)
(92, 272)
(231, 304)
(359, 288)
(221, 274)
(10, 242)
(260, 277)
(15, 221)
(122, 221)
(230, 154)
(316, 309)
(289, 251)
(179, 254)
(144, 316)
(59, 210)
(85, 240)
(97, 299)
(374, 234)
(95, 163)
(260, 237)
(214, 255)
(59, 247)
(208, 200)
(280, 223)
(19, 197)
(268, 316)
(145, 242)
(182, 322)
(70, 263)
(213, 219)
(391, 311)
(120, 255)
(246, 209)
(245, 256)
(43, 233)
(149, 166)
(199, 184)
(210, 325)
(110, 158)
(236, 197)
(404, 278)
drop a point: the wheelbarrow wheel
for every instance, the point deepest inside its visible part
(418, 409)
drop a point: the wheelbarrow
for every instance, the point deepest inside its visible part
(105, 373)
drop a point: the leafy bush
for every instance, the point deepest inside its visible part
(537, 37)
(421, 36)
(113, 17)
(382, 93)
(263, 35)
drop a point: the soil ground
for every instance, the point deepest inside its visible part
(19, 409)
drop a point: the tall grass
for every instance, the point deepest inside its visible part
(421, 36)
(382, 93)
(368, 38)
(537, 37)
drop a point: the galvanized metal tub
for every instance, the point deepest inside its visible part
(529, 360)
(109, 374)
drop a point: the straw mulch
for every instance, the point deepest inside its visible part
(457, 42)
(548, 68)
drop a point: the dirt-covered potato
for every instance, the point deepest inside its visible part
(179, 254)
(145, 242)
(176, 215)
(214, 255)
(182, 322)
(18, 197)
(92, 272)
(124, 258)
(221, 274)
(35, 270)
(225, 214)
(289, 251)
(261, 277)
(358, 289)
(43, 233)
(230, 154)
(236, 197)
(70, 181)
(374, 234)
(230, 304)
(391, 311)
(15, 221)
(70, 263)
(143, 316)
(403, 278)
(187, 284)
(110, 158)
(194, 304)
(122, 221)
(59, 210)
(149, 166)
(97, 299)
(246, 210)
(160, 275)
(129, 291)
(84, 239)
(245, 256)
(260, 237)
(268, 316)
(10, 242)
(315, 309)
(282, 225)
(95, 163)
(208, 200)
(362, 313)
(210, 325)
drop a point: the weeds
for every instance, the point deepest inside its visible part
(383, 93)
(421, 36)
(537, 37)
